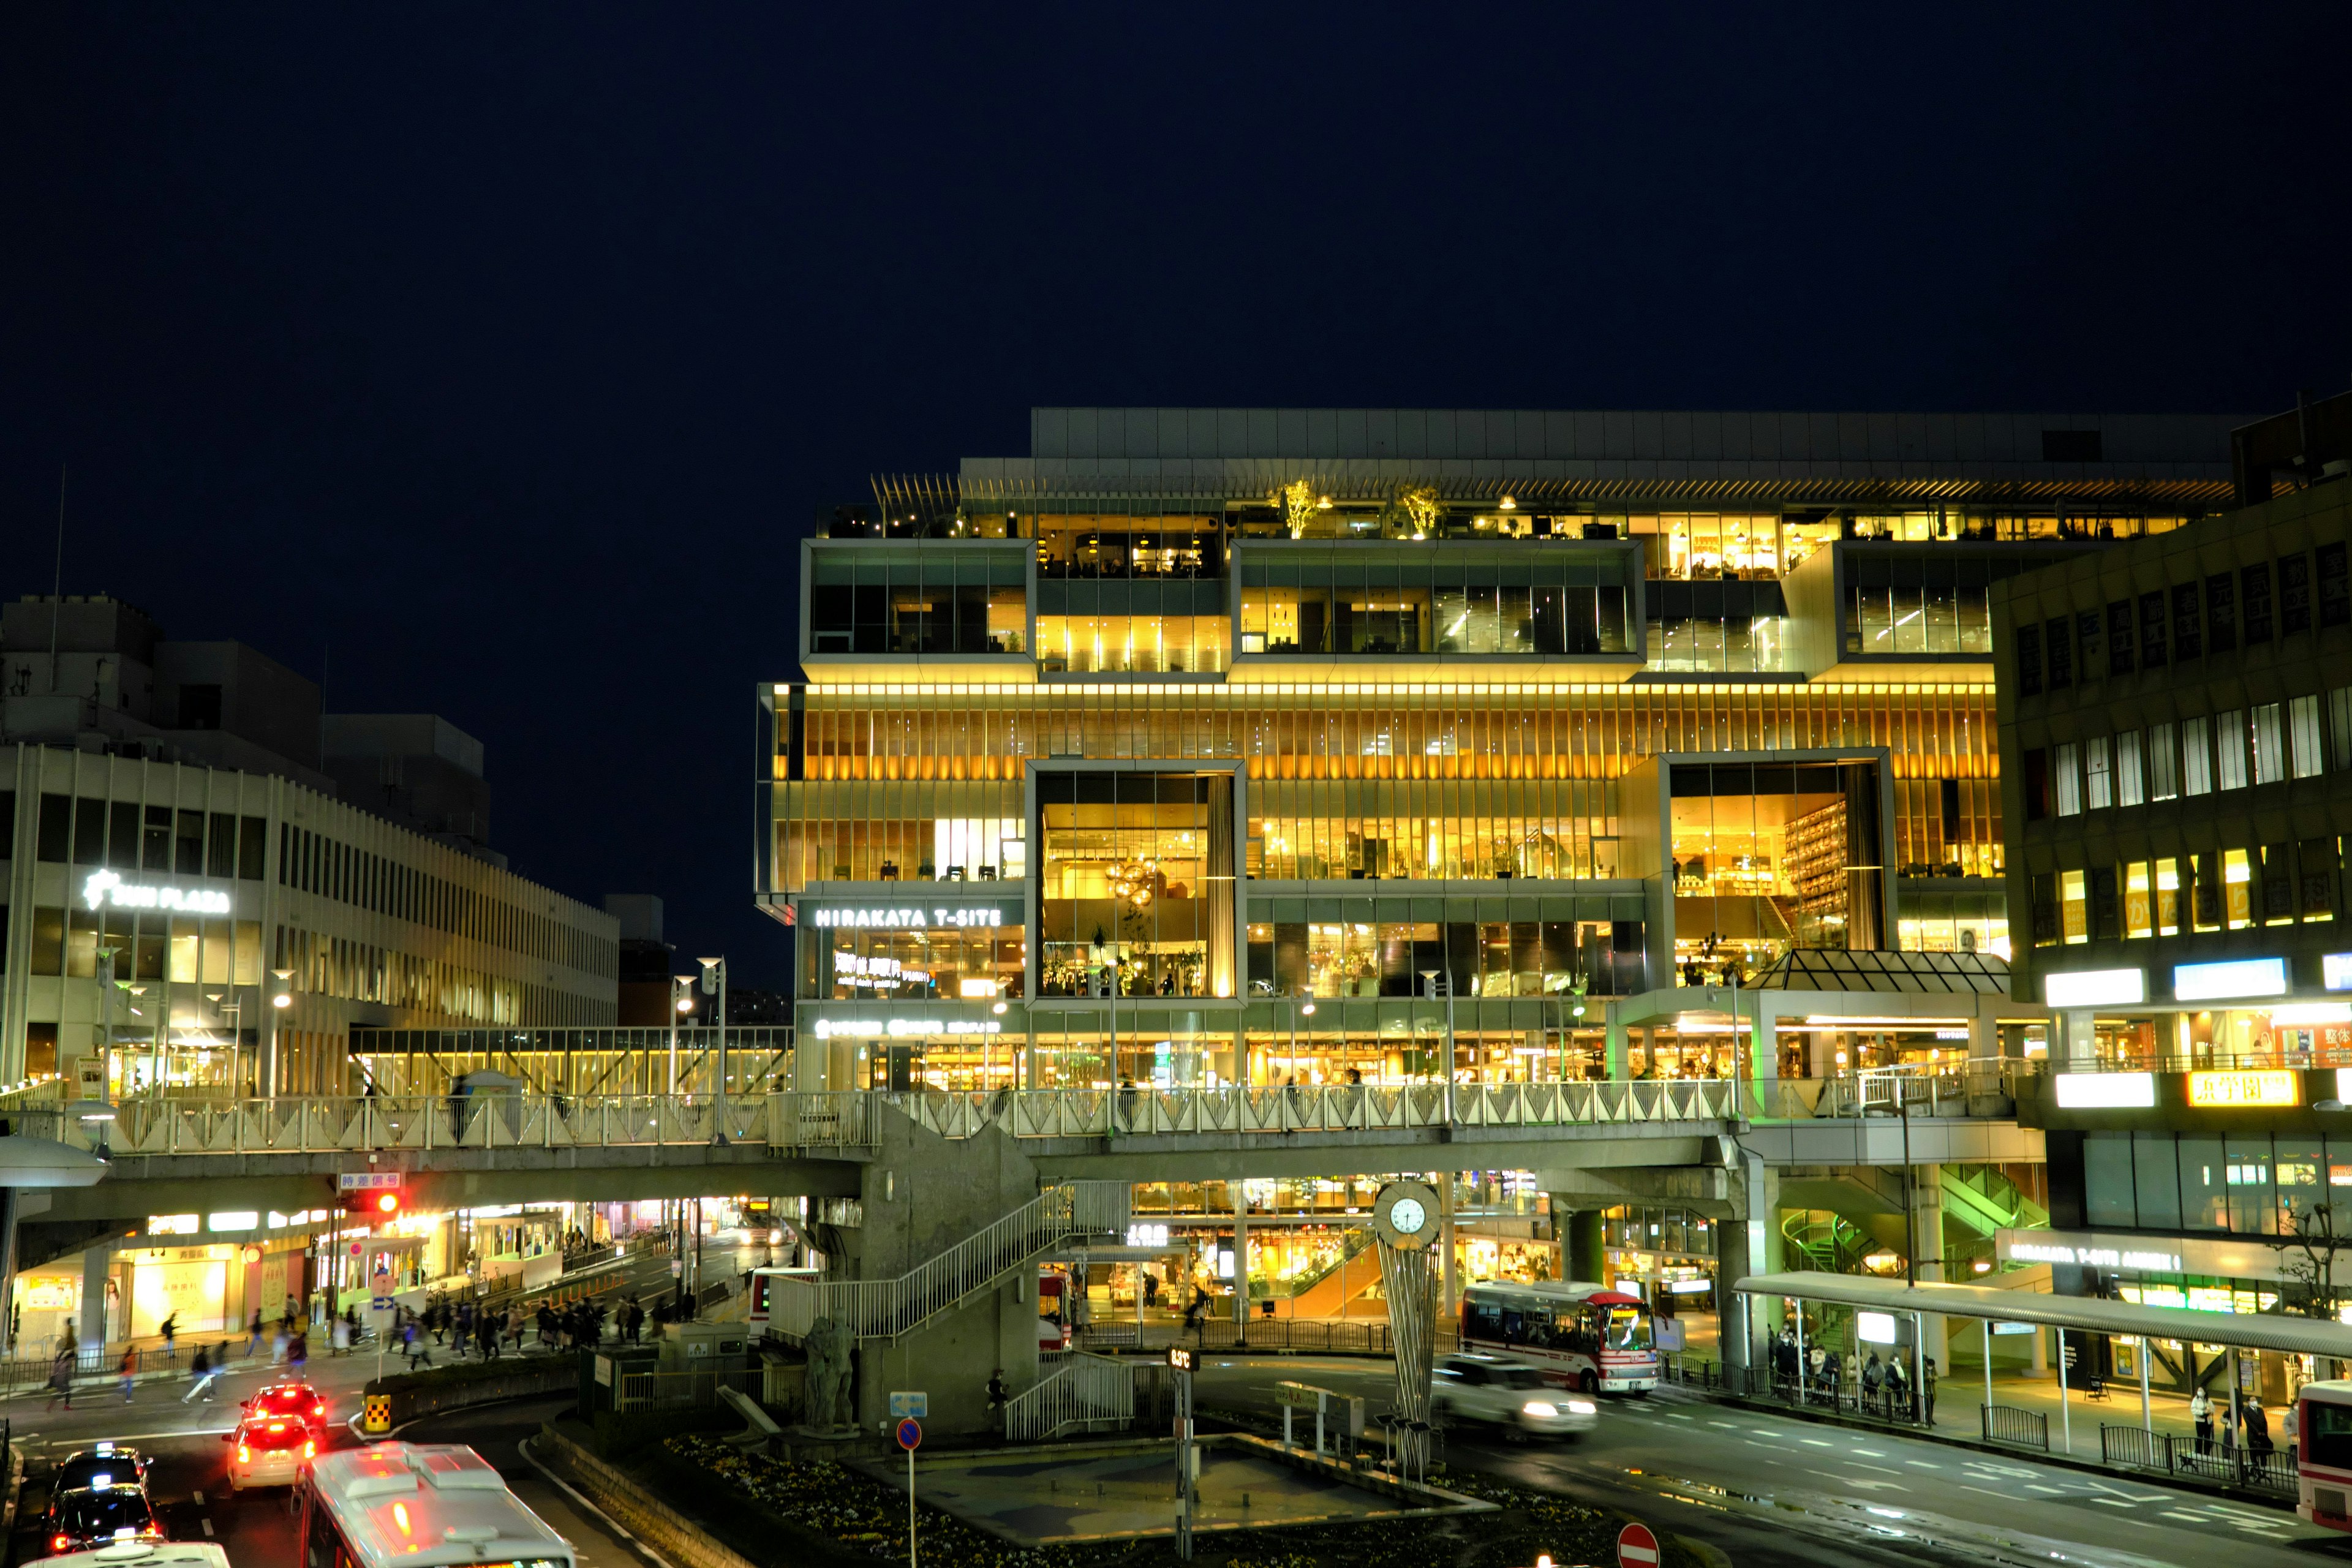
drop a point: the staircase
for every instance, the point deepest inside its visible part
(1085, 1393)
(1074, 1213)
(1979, 1198)
(1826, 1242)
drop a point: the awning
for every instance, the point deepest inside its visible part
(2245, 1331)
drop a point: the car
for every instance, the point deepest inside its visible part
(1500, 1391)
(102, 1464)
(290, 1401)
(93, 1515)
(269, 1451)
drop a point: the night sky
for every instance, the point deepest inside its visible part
(494, 359)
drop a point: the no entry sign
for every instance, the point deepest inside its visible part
(1636, 1547)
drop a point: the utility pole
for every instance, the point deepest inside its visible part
(714, 984)
(1188, 1457)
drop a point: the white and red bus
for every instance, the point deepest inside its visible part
(1583, 1336)
(2323, 1459)
(418, 1505)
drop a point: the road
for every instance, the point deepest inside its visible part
(1772, 1493)
(188, 1476)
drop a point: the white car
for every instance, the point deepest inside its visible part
(1497, 1390)
(269, 1451)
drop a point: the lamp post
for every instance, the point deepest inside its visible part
(1295, 1010)
(681, 1002)
(106, 1001)
(280, 998)
(714, 982)
(236, 1010)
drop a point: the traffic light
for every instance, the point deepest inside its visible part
(374, 1207)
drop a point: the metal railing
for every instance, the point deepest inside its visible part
(1085, 1393)
(2271, 1470)
(681, 1390)
(2014, 1428)
(887, 1309)
(1340, 1107)
(1984, 1087)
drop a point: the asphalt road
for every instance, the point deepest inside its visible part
(1772, 1493)
(188, 1479)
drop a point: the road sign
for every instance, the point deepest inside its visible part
(368, 1181)
(911, 1438)
(1180, 1358)
(1636, 1547)
(380, 1303)
(909, 1406)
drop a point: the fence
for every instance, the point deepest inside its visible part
(1086, 1393)
(681, 1390)
(2015, 1429)
(2137, 1448)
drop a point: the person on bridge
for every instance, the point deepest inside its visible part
(2200, 1411)
(201, 1375)
(61, 1376)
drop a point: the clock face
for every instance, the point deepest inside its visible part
(1407, 1215)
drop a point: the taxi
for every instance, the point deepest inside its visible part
(269, 1451)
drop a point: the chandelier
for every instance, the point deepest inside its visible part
(1132, 880)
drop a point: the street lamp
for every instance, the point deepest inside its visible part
(681, 1002)
(234, 1008)
(280, 998)
(714, 984)
(106, 1000)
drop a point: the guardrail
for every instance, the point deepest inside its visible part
(681, 1390)
(1086, 1393)
(2271, 1470)
(2014, 1428)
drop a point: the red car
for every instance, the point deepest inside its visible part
(289, 1402)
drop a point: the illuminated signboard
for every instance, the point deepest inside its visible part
(2230, 1090)
(2232, 977)
(2095, 988)
(906, 920)
(2094, 1256)
(901, 1029)
(2105, 1090)
(2335, 971)
(1874, 1328)
(109, 888)
(876, 974)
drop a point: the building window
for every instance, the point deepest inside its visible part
(2037, 784)
(2119, 638)
(2278, 884)
(2089, 644)
(2140, 905)
(2098, 773)
(2195, 756)
(2334, 586)
(2230, 749)
(2205, 893)
(2069, 781)
(2186, 641)
(2294, 594)
(2029, 661)
(2237, 889)
(2130, 783)
(2074, 906)
(2168, 898)
(2151, 630)
(2303, 736)
(2221, 612)
(2062, 654)
(2045, 910)
(2318, 865)
(2163, 765)
(2255, 593)
(2269, 743)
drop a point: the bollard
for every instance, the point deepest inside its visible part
(375, 1419)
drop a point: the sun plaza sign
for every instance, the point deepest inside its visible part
(105, 888)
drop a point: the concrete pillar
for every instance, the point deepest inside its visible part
(1764, 1043)
(1984, 1033)
(97, 1264)
(1749, 1244)
(2079, 1049)
(1584, 1256)
(1241, 1255)
(1612, 1036)
(1924, 1241)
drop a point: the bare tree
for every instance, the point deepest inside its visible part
(2308, 1243)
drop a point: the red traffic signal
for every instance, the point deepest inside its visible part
(377, 1206)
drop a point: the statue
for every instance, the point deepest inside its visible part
(831, 1364)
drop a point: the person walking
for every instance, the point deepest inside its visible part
(61, 1376)
(128, 1368)
(253, 1335)
(298, 1352)
(169, 1329)
(999, 1397)
(339, 1337)
(2200, 1411)
(277, 1345)
(201, 1375)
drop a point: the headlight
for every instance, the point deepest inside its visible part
(1538, 1407)
(1583, 1408)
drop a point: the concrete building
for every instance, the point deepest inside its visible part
(1307, 748)
(170, 822)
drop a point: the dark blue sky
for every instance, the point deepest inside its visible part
(499, 355)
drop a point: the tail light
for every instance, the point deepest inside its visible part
(58, 1543)
(243, 1455)
(310, 1449)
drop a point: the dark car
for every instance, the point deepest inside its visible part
(105, 1464)
(90, 1516)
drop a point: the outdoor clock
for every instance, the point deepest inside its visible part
(1405, 1215)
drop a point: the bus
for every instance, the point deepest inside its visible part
(144, 1554)
(2323, 1459)
(426, 1504)
(1582, 1336)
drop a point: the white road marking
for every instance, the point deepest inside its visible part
(1923, 1464)
(199, 1498)
(1815, 1443)
(1727, 1425)
(1890, 1472)
(208, 1525)
(1679, 1416)
(1872, 1452)
(2036, 1487)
